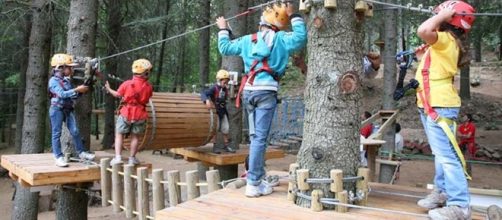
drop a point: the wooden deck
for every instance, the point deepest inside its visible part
(232, 204)
(40, 169)
(205, 154)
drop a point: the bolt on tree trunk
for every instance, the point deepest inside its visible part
(332, 95)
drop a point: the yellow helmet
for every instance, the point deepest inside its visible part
(276, 16)
(222, 74)
(61, 59)
(140, 66)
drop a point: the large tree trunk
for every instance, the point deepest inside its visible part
(331, 128)
(234, 63)
(389, 84)
(35, 109)
(204, 36)
(22, 83)
(114, 21)
(81, 41)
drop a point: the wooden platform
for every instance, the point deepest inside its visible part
(205, 155)
(232, 204)
(40, 169)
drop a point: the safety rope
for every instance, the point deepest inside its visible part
(247, 11)
(422, 8)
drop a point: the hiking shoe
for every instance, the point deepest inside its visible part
(60, 162)
(228, 149)
(271, 180)
(133, 161)
(86, 156)
(260, 190)
(434, 200)
(116, 160)
(450, 213)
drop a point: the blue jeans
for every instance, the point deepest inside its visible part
(449, 177)
(260, 106)
(57, 116)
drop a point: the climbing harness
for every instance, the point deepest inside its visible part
(404, 59)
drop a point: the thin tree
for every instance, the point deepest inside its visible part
(204, 37)
(81, 41)
(162, 48)
(35, 109)
(389, 83)
(114, 20)
(332, 94)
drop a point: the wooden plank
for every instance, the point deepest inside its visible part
(205, 154)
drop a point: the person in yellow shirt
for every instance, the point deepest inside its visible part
(439, 105)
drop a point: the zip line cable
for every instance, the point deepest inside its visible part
(421, 8)
(248, 11)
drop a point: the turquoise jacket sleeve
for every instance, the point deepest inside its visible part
(229, 47)
(296, 39)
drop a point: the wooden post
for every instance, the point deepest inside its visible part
(292, 184)
(363, 184)
(342, 197)
(157, 190)
(143, 205)
(191, 179)
(129, 192)
(331, 4)
(337, 177)
(117, 194)
(106, 186)
(213, 180)
(301, 179)
(315, 203)
(173, 177)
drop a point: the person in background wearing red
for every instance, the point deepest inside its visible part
(367, 129)
(467, 134)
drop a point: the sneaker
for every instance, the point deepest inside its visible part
(260, 190)
(133, 161)
(116, 160)
(228, 149)
(450, 213)
(60, 162)
(271, 180)
(86, 156)
(433, 200)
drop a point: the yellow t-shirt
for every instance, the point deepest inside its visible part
(444, 57)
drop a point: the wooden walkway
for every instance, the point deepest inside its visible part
(232, 204)
(205, 154)
(40, 169)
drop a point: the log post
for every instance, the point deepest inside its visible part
(118, 188)
(213, 180)
(342, 198)
(129, 192)
(173, 177)
(157, 190)
(192, 179)
(106, 186)
(292, 182)
(315, 203)
(337, 178)
(301, 179)
(362, 185)
(143, 205)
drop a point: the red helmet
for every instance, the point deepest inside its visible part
(463, 17)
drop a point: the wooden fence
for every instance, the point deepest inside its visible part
(128, 190)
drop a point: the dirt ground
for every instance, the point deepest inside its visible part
(486, 104)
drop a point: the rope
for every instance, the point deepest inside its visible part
(248, 11)
(429, 9)
(397, 194)
(329, 181)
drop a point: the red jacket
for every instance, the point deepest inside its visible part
(466, 128)
(366, 130)
(135, 93)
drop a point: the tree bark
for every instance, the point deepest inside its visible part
(114, 21)
(389, 84)
(465, 86)
(204, 37)
(22, 83)
(81, 41)
(234, 63)
(33, 130)
(162, 48)
(331, 128)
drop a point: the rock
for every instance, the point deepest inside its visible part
(489, 149)
(496, 156)
(487, 154)
(480, 153)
